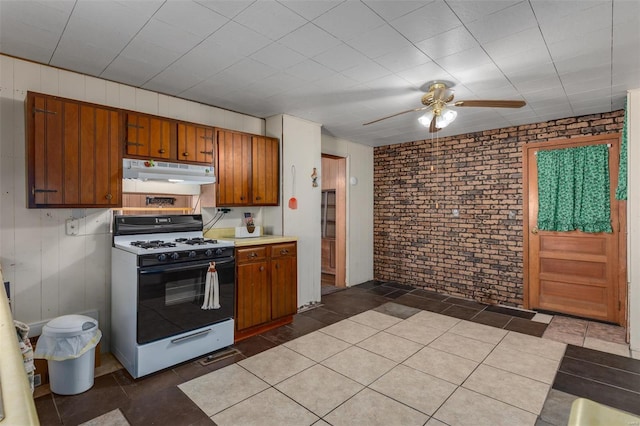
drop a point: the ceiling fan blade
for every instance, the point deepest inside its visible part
(396, 114)
(432, 126)
(490, 104)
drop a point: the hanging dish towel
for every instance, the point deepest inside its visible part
(211, 289)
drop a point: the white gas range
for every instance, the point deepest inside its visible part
(161, 279)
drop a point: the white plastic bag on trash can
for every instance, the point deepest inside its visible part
(67, 337)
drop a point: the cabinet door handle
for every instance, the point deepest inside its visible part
(284, 251)
(277, 266)
(185, 154)
(261, 268)
(134, 143)
(161, 151)
(108, 196)
(135, 125)
(35, 190)
(44, 110)
(242, 198)
(254, 254)
(206, 152)
(258, 198)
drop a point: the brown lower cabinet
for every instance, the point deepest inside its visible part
(267, 287)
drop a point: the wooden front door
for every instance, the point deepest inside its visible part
(576, 273)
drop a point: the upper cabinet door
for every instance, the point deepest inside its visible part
(195, 143)
(265, 162)
(234, 168)
(149, 136)
(73, 150)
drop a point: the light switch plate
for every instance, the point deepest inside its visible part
(73, 226)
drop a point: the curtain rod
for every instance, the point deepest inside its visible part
(536, 152)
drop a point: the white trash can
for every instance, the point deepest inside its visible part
(68, 343)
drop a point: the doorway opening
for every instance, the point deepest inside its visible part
(334, 223)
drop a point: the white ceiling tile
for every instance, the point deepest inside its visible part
(173, 80)
(130, 71)
(149, 53)
(244, 40)
(469, 11)
(247, 70)
(554, 11)
(392, 9)
(309, 40)
(190, 16)
(503, 23)
(526, 61)
(403, 59)
(422, 23)
(348, 20)
(448, 43)
(584, 68)
(278, 56)
(208, 58)
(310, 9)
(120, 20)
(270, 18)
(424, 73)
(582, 44)
(340, 58)
(168, 36)
(228, 8)
(379, 41)
(523, 41)
(461, 61)
(366, 71)
(334, 82)
(585, 21)
(32, 29)
(309, 71)
(273, 85)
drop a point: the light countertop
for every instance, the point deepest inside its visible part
(229, 234)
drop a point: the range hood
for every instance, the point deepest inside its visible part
(160, 171)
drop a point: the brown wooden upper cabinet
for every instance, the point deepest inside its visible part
(247, 168)
(164, 139)
(195, 143)
(73, 153)
(149, 136)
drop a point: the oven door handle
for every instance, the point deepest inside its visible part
(156, 270)
(145, 271)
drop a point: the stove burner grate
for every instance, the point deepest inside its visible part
(152, 244)
(195, 241)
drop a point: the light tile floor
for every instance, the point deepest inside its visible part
(378, 369)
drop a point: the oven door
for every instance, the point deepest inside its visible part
(170, 298)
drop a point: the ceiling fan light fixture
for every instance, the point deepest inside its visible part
(426, 118)
(445, 118)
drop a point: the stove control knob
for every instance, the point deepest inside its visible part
(192, 254)
(208, 253)
(219, 251)
(162, 257)
(175, 256)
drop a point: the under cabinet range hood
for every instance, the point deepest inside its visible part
(147, 170)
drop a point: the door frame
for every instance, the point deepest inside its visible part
(619, 222)
(341, 219)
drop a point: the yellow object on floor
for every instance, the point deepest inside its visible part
(585, 412)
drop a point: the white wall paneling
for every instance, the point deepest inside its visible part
(633, 217)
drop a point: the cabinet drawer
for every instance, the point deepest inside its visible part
(251, 254)
(286, 249)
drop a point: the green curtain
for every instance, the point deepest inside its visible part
(621, 191)
(573, 189)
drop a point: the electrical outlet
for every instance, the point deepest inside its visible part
(73, 226)
(455, 212)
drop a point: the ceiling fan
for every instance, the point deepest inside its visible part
(437, 103)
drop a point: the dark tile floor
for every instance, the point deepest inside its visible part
(155, 399)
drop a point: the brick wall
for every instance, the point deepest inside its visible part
(477, 255)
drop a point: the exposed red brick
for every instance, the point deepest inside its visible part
(477, 255)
